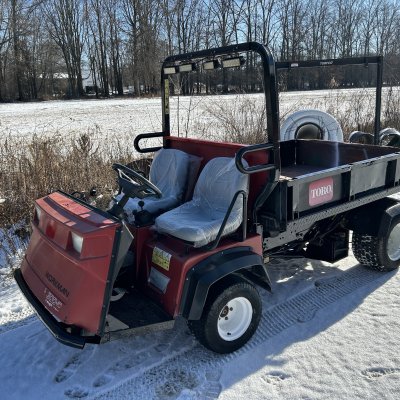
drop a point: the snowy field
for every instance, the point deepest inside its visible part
(123, 119)
(327, 331)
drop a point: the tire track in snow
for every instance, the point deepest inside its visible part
(298, 309)
(135, 361)
(379, 372)
(73, 364)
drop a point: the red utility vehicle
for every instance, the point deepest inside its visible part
(201, 230)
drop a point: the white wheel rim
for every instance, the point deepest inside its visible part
(393, 243)
(331, 129)
(234, 318)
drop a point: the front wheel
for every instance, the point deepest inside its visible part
(380, 253)
(230, 317)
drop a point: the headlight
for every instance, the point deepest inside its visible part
(38, 212)
(77, 242)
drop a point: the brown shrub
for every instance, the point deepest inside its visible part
(34, 167)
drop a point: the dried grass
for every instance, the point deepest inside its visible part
(35, 167)
(241, 120)
(244, 119)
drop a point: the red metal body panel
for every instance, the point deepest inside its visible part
(180, 263)
(70, 285)
(141, 236)
(183, 258)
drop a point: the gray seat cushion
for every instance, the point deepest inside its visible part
(169, 172)
(199, 220)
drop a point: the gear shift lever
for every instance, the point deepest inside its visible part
(141, 205)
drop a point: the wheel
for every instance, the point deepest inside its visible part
(380, 253)
(311, 124)
(389, 137)
(230, 317)
(361, 137)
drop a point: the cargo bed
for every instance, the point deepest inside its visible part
(322, 178)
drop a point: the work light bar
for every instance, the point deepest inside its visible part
(233, 62)
(209, 65)
(169, 70)
(187, 67)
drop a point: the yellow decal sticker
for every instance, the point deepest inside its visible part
(161, 258)
(166, 96)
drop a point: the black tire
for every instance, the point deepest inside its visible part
(373, 251)
(361, 137)
(216, 311)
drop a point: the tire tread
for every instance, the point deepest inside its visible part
(370, 251)
(199, 327)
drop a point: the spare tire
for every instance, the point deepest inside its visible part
(389, 137)
(361, 137)
(311, 124)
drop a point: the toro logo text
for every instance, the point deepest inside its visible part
(320, 191)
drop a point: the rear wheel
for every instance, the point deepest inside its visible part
(230, 317)
(380, 253)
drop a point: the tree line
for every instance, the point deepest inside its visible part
(51, 47)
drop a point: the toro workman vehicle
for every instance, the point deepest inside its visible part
(194, 239)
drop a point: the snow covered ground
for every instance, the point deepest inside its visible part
(123, 119)
(65, 117)
(328, 331)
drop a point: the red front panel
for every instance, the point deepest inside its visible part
(174, 264)
(68, 283)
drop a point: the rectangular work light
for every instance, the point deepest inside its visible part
(209, 65)
(169, 70)
(233, 62)
(187, 67)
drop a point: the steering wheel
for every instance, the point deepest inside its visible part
(135, 184)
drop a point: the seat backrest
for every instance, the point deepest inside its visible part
(217, 184)
(169, 172)
(208, 149)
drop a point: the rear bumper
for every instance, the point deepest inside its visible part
(55, 327)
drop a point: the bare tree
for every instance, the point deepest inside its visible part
(115, 47)
(348, 15)
(319, 22)
(65, 23)
(143, 20)
(226, 15)
(123, 41)
(268, 22)
(97, 40)
(5, 44)
(387, 22)
(368, 23)
(292, 15)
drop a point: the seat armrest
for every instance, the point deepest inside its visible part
(212, 245)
